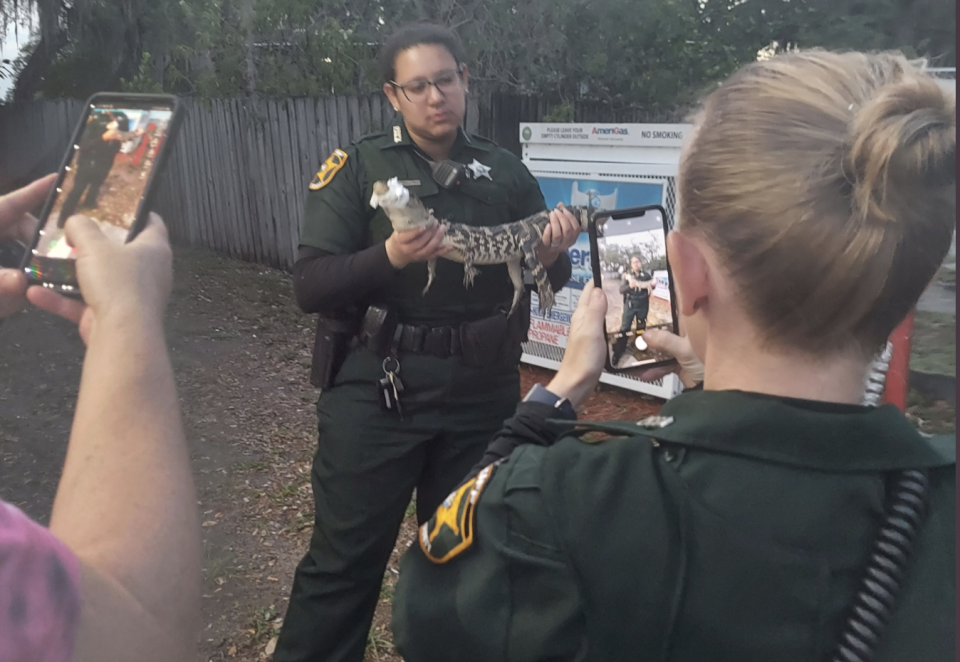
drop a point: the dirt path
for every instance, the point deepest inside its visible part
(241, 352)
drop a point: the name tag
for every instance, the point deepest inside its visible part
(410, 182)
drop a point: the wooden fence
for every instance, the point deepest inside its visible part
(239, 170)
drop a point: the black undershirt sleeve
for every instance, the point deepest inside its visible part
(324, 282)
(560, 271)
(527, 426)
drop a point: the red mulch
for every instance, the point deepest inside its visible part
(608, 403)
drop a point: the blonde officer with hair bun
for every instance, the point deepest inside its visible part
(766, 515)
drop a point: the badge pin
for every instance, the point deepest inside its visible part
(397, 134)
(479, 170)
(655, 422)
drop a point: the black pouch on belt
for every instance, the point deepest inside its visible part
(377, 329)
(483, 340)
(330, 348)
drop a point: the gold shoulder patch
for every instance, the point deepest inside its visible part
(451, 529)
(329, 168)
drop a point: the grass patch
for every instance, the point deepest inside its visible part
(930, 416)
(387, 588)
(947, 276)
(220, 566)
(934, 344)
(299, 523)
(263, 625)
(379, 643)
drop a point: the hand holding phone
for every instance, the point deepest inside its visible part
(583, 359)
(17, 227)
(629, 256)
(688, 367)
(109, 175)
(122, 284)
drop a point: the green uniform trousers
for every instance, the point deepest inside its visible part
(367, 465)
(637, 310)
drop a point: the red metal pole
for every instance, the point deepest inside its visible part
(898, 374)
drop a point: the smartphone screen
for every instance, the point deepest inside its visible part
(105, 177)
(632, 261)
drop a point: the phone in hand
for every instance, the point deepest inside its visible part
(109, 174)
(629, 259)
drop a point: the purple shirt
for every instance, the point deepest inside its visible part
(39, 591)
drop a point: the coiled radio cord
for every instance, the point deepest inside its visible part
(880, 585)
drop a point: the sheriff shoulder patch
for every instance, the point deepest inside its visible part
(451, 529)
(329, 168)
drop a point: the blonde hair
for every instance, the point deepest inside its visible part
(826, 182)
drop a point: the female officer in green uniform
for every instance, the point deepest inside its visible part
(740, 523)
(453, 350)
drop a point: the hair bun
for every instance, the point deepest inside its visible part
(903, 140)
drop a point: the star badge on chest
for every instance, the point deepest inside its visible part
(479, 170)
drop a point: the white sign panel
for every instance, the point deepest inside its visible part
(662, 289)
(630, 135)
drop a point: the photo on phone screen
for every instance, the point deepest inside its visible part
(632, 259)
(105, 179)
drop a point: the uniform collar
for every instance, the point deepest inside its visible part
(803, 433)
(397, 136)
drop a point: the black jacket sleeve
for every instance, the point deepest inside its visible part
(528, 426)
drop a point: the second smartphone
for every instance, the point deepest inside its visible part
(629, 259)
(109, 174)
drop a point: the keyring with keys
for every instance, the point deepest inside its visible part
(389, 387)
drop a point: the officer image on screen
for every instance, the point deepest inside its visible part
(99, 145)
(636, 287)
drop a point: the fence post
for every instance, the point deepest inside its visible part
(898, 374)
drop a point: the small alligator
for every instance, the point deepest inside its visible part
(514, 244)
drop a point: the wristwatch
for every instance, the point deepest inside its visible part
(542, 395)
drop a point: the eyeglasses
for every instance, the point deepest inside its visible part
(417, 90)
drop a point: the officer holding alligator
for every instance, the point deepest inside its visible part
(636, 287)
(413, 385)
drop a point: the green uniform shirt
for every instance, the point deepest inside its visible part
(737, 533)
(338, 218)
(631, 296)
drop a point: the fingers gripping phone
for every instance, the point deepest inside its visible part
(629, 259)
(109, 174)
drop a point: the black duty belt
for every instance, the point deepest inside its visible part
(439, 341)
(480, 342)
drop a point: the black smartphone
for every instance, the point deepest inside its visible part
(629, 258)
(109, 174)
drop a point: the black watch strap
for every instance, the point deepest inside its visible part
(540, 394)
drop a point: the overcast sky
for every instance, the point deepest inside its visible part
(10, 48)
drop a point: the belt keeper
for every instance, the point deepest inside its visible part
(397, 336)
(417, 340)
(456, 340)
